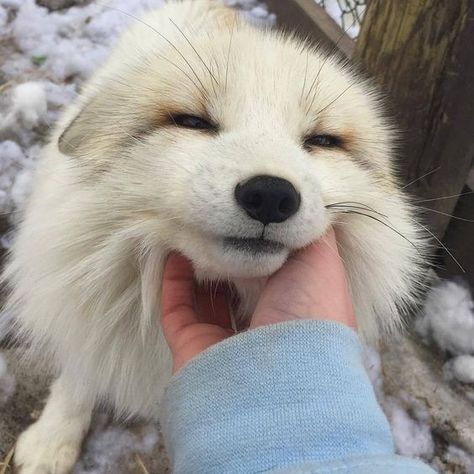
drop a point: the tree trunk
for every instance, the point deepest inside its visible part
(420, 53)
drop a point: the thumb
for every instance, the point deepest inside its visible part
(311, 285)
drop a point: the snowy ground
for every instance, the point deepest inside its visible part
(44, 58)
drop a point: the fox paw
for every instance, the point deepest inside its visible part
(38, 452)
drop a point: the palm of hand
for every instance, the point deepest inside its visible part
(311, 285)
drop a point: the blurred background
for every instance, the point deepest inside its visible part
(419, 52)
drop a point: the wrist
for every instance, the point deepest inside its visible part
(308, 375)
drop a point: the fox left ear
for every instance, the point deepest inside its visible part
(70, 140)
(84, 128)
(96, 128)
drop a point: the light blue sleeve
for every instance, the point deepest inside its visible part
(287, 398)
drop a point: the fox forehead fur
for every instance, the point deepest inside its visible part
(121, 184)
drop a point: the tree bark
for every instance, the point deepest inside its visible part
(420, 53)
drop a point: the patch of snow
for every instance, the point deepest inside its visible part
(22, 186)
(7, 381)
(12, 161)
(448, 318)
(254, 10)
(3, 17)
(462, 368)
(71, 43)
(458, 456)
(412, 437)
(10, 3)
(111, 443)
(59, 95)
(28, 106)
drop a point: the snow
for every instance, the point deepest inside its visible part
(448, 318)
(463, 368)
(74, 41)
(28, 106)
(70, 44)
(12, 161)
(253, 10)
(412, 435)
(447, 321)
(110, 443)
(458, 456)
(3, 18)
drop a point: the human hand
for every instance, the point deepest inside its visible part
(311, 285)
(191, 320)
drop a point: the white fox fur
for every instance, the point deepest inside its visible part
(129, 186)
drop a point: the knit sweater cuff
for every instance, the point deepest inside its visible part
(271, 398)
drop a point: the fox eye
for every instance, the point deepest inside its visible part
(323, 141)
(193, 122)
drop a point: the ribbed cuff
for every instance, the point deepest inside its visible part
(274, 397)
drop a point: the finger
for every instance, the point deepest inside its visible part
(212, 304)
(177, 305)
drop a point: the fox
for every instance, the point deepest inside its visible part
(230, 143)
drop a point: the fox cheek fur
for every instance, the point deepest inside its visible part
(130, 175)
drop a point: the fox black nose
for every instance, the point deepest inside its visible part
(268, 199)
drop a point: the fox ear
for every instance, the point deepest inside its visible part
(82, 129)
(95, 127)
